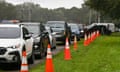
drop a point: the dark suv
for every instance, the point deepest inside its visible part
(40, 36)
(61, 29)
(75, 31)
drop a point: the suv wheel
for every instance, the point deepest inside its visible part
(18, 61)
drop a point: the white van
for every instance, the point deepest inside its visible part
(110, 26)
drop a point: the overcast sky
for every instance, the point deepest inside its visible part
(51, 4)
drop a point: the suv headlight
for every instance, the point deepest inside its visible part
(15, 46)
(81, 31)
(36, 40)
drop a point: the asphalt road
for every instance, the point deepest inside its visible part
(13, 68)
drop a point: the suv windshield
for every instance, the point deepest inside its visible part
(80, 26)
(74, 27)
(56, 25)
(9, 32)
(35, 29)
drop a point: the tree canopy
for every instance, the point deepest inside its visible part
(34, 12)
(7, 11)
(107, 7)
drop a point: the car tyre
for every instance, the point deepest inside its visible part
(18, 61)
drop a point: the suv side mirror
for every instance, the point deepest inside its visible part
(51, 30)
(53, 33)
(28, 36)
(45, 31)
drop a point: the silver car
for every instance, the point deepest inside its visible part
(52, 38)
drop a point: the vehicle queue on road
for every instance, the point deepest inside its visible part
(32, 37)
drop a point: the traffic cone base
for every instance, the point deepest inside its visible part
(85, 43)
(67, 54)
(49, 65)
(75, 47)
(24, 69)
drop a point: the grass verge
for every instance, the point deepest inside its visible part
(102, 55)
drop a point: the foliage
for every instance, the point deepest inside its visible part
(7, 11)
(34, 12)
(109, 7)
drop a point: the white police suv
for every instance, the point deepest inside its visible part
(13, 40)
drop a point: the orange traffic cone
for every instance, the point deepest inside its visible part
(98, 33)
(94, 35)
(75, 43)
(24, 65)
(49, 64)
(85, 40)
(89, 39)
(67, 55)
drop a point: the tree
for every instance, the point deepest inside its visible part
(33, 12)
(107, 7)
(7, 11)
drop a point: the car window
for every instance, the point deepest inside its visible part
(81, 26)
(35, 29)
(49, 30)
(74, 27)
(56, 25)
(42, 28)
(25, 31)
(9, 32)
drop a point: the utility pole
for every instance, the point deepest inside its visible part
(90, 16)
(22, 13)
(29, 12)
(99, 18)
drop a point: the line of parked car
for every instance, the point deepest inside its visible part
(34, 38)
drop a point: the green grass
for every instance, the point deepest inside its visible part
(102, 55)
(116, 34)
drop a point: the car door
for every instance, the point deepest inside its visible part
(28, 41)
(53, 37)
